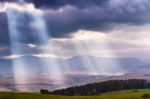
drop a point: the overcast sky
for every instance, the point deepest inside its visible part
(102, 28)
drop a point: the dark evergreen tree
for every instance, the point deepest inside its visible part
(102, 87)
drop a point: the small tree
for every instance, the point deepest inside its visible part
(43, 91)
(145, 95)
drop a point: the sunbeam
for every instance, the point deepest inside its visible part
(19, 66)
(93, 67)
(52, 66)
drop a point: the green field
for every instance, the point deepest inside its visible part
(132, 94)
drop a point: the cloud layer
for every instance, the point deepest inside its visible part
(65, 18)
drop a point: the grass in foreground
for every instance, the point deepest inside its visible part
(131, 94)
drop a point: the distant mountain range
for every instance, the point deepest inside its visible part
(77, 67)
(125, 64)
(77, 64)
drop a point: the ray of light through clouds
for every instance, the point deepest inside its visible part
(86, 45)
(115, 29)
(19, 66)
(14, 13)
(52, 67)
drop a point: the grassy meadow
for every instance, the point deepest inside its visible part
(131, 94)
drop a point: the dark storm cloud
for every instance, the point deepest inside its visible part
(66, 16)
(96, 15)
(25, 30)
(26, 33)
(7, 0)
(4, 35)
(60, 3)
(2, 1)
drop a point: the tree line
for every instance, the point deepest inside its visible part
(101, 87)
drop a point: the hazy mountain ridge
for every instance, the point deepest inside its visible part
(133, 68)
(74, 64)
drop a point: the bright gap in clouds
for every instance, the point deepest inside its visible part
(87, 42)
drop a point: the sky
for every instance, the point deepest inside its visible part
(101, 28)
